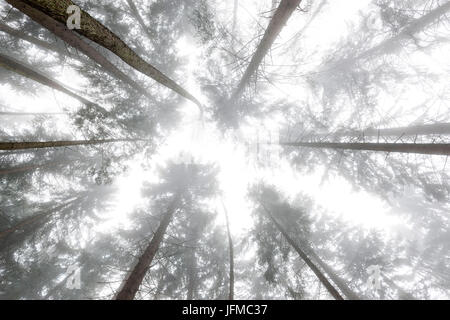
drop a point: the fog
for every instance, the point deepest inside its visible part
(214, 150)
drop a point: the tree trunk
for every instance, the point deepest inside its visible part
(134, 280)
(22, 35)
(338, 281)
(149, 32)
(61, 31)
(97, 32)
(424, 148)
(305, 258)
(32, 219)
(393, 44)
(278, 21)
(424, 129)
(231, 250)
(26, 71)
(55, 144)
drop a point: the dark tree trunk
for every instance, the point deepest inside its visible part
(98, 33)
(424, 148)
(134, 280)
(305, 258)
(278, 21)
(61, 31)
(56, 144)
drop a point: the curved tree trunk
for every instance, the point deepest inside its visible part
(97, 32)
(278, 21)
(134, 280)
(305, 258)
(424, 148)
(56, 144)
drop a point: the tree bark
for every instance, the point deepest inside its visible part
(134, 280)
(231, 251)
(56, 144)
(424, 148)
(278, 21)
(97, 32)
(26, 71)
(305, 258)
(61, 31)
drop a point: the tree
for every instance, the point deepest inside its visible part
(56, 144)
(279, 19)
(72, 39)
(429, 148)
(98, 33)
(24, 70)
(186, 182)
(268, 197)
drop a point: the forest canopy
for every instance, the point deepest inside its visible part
(220, 150)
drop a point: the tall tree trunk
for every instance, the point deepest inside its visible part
(149, 32)
(338, 281)
(55, 144)
(97, 32)
(26, 71)
(231, 251)
(423, 148)
(278, 21)
(61, 31)
(134, 280)
(302, 254)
